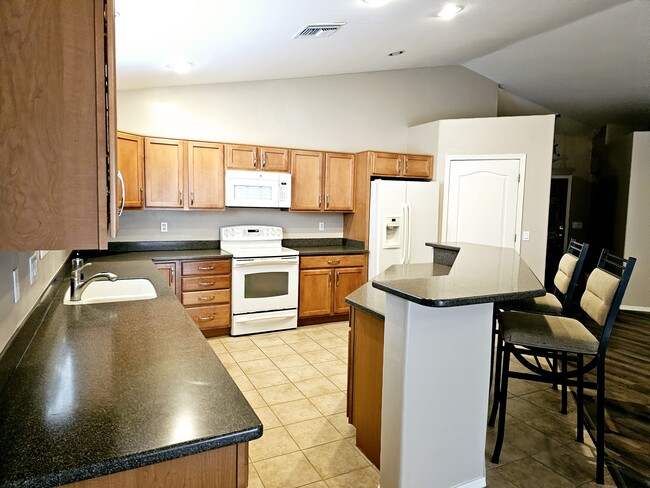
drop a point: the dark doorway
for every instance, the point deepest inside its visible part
(557, 226)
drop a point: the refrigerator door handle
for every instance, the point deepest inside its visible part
(403, 257)
(408, 232)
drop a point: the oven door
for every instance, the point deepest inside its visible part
(264, 284)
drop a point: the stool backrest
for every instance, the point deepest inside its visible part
(568, 272)
(604, 292)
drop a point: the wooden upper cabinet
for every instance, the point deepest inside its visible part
(164, 172)
(130, 163)
(339, 182)
(418, 166)
(205, 168)
(253, 158)
(274, 159)
(401, 165)
(306, 180)
(54, 125)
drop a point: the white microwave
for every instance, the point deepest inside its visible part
(260, 189)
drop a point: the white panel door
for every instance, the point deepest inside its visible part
(483, 202)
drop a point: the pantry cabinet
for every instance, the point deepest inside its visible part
(130, 163)
(163, 163)
(322, 181)
(325, 281)
(239, 156)
(57, 189)
(401, 165)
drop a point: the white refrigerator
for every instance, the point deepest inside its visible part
(403, 216)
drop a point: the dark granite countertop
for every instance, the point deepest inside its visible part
(109, 387)
(479, 274)
(325, 247)
(368, 299)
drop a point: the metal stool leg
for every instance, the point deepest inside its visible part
(504, 398)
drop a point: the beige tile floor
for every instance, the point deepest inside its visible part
(296, 382)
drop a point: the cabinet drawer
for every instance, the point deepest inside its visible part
(205, 297)
(199, 283)
(205, 267)
(347, 260)
(214, 316)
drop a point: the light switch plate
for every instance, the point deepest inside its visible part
(163, 227)
(321, 226)
(14, 276)
(525, 235)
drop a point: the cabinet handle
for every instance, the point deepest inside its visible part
(255, 159)
(206, 299)
(206, 319)
(205, 268)
(192, 198)
(320, 199)
(173, 271)
(327, 201)
(263, 159)
(406, 165)
(180, 197)
(333, 261)
(337, 278)
(141, 196)
(206, 283)
(399, 164)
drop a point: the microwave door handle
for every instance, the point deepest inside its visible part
(259, 320)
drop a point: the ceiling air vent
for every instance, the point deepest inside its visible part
(319, 30)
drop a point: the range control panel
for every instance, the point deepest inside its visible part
(251, 233)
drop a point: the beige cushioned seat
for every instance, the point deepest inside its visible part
(546, 304)
(547, 332)
(565, 272)
(599, 294)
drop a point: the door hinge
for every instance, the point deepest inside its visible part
(515, 237)
(519, 178)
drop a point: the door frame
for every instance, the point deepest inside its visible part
(567, 214)
(449, 159)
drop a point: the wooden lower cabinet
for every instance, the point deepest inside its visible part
(203, 287)
(226, 467)
(205, 293)
(325, 281)
(365, 376)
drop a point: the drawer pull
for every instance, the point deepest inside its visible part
(206, 299)
(206, 268)
(206, 283)
(206, 319)
(333, 261)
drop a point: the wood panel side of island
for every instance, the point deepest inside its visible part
(365, 377)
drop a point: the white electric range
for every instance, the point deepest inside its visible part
(264, 279)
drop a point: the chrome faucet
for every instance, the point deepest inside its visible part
(78, 285)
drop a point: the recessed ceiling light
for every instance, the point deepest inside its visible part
(376, 3)
(396, 53)
(450, 10)
(180, 66)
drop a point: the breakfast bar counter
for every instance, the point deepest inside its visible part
(436, 360)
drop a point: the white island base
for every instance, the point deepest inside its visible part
(435, 395)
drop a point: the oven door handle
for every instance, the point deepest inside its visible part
(239, 264)
(259, 320)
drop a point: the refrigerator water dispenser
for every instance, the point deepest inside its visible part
(393, 232)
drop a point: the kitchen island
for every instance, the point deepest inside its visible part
(436, 358)
(120, 393)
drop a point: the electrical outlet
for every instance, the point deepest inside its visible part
(321, 226)
(163, 227)
(16, 285)
(33, 268)
(525, 235)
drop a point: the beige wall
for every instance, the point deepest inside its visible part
(348, 113)
(637, 230)
(529, 135)
(12, 314)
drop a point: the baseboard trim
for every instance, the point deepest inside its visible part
(634, 308)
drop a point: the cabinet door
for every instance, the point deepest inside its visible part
(206, 175)
(241, 157)
(163, 166)
(53, 124)
(306, 180)
(315, 293)
(168, 270)
(346, 280)
(274, 159)
(386, 164)
(339, 182)
(130, 163)
(416, 166)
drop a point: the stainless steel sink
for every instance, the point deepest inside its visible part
(114, 291)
